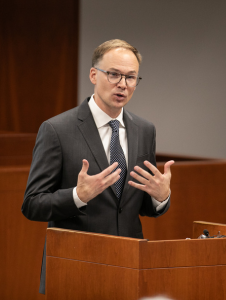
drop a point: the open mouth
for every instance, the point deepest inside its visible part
(120, 96)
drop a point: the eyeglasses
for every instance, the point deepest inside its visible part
(115, 77)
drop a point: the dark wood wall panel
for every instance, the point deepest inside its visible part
(198, 194)
(16, 148)
(38, 59)
(22, 241)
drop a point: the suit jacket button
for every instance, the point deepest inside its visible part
(120, 210)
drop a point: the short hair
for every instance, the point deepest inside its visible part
(113, 44)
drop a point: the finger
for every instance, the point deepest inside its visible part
(112, 178)
(167, 166)
(108, 170)
(151, 167)
(138, 177)
(137, 185)
(142, 172)
(85, 166)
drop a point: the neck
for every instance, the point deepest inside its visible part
(110, 111)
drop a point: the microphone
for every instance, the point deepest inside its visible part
(206, 233)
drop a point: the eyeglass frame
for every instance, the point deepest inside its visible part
(108, 72)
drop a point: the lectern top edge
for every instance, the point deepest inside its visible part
(209, 223)
(94, 234)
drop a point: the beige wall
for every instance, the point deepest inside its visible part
(183, 44)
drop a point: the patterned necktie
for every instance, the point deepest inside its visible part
(117, 155)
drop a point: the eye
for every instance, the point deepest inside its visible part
(131, 77)
(114, 74)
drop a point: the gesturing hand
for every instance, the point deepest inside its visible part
(88, 187)
(157, 186)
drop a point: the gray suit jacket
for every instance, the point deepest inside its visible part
(62, 142)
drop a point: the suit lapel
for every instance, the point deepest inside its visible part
(91, 135)
(132, 138)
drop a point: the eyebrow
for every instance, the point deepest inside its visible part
(116, 70)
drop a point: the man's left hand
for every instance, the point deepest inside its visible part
(157, 186)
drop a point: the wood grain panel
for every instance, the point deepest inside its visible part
(39, 61)
(134, 253)
(92, 247)
(200, 283)
(182, 253)
(16, 148)
(198, 193)
(22, 241)
(72, 279)
(192, 269)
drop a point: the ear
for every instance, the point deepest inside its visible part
(93, 75)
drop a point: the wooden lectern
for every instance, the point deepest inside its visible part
(89, 266)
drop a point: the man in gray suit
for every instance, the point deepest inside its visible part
(73, 178)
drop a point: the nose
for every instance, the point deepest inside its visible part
(122, 83)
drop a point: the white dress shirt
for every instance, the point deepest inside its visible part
(101, 120)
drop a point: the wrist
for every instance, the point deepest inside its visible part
(164, 197)
(77, 199)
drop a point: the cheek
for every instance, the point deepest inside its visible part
(103, 87)
(130, 93)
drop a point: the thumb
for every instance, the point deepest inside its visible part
(85, 166)
(167, 166)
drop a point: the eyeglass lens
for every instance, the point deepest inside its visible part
(131, 80)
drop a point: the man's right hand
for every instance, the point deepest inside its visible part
(88, 187)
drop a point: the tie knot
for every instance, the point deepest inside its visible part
(114, 125)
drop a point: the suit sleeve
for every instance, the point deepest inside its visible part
(44, 200)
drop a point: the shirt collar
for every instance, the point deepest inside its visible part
(100, 117)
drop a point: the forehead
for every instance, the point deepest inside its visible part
(120, 59)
